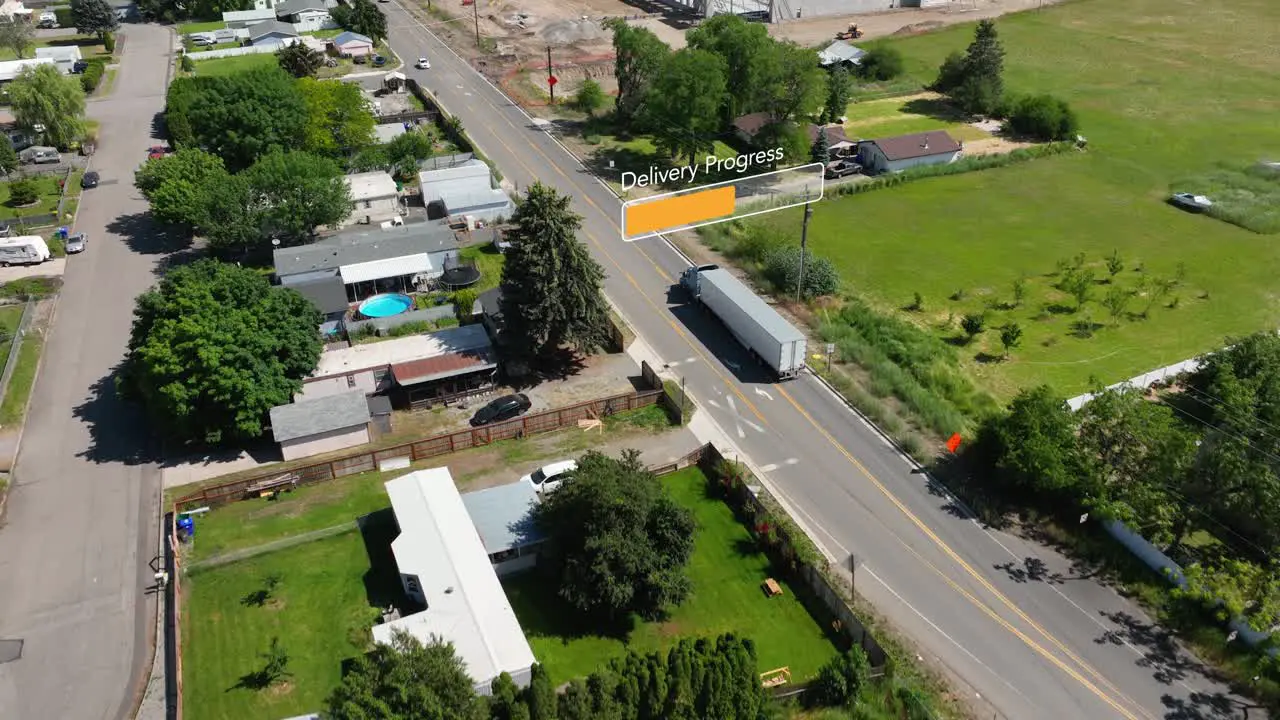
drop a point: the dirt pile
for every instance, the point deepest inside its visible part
(567, 32)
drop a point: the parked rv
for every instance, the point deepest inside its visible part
(40, 155)
(23, 250)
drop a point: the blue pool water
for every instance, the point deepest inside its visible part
(380, 306)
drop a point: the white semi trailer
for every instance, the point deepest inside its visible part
(749, 319)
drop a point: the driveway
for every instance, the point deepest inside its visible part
(52, 268)
(81, 524)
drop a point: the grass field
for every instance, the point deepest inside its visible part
(727, 572)
(1151, 116)
(218, 67)
(488, 261)
(906, 115)
(10, 316)
(321, 610)
(47, 187)
(14, 408)
(198, 27)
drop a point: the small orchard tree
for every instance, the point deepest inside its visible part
(1116, 301)
(1115, 265)
(973, 324)
(1019, 291)
(1079, 284)
(1010, 337)
(275, 664)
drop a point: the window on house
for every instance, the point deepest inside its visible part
(368, 204)
(351, 381)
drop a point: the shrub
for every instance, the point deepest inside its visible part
(109, 42)
(1042, 117)
(463, 301)
(23, 191)
(589, 97)
(842, 679)
(950, 73)
(92, 75)
(187, 64)
(881, 63)
(782, 268)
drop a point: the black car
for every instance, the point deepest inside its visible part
(79, 66)
(504, 408)
(89, 179)
(841, 169)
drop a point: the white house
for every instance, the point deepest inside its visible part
(896, 154)
(319, 425)
(466, 190)
(65, 57)
(244, 18)
(305, 15)
(375, 196)
(13, 11)
(10, 69)
(444, 567)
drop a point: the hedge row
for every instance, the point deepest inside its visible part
(963, 165)
(92, 75)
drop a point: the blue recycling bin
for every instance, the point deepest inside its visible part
(187, 526)
(62, 233)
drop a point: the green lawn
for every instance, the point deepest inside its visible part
(636, 154)
(488, 261)
(231, 65)
(14, 408)
(321, 610)
(905, 115)
(10, 316)
(47, 203)
(90, 47)
(198, 27)
(727, 572)
(1152, 116)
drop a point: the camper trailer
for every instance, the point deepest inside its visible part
(25, 250)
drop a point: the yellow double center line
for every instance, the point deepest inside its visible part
(1045, 652)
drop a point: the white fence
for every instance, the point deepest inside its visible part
(1142, 382)
(247, 50)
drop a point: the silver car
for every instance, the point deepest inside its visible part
(76, 243)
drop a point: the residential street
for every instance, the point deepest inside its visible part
(81, 523)
(1033, 643)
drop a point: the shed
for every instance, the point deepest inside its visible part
(244, 18)
(840, 53)
(503, 516)
(896, 154)
(319, 425)
(271, 32)
(445, 568)
(350, 44)
(375, 196)
(465, 189)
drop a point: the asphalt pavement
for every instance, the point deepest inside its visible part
(1008, 619)
(81, 524)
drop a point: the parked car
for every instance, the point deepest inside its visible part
(78, 67)
(842, 168)
(76, 243)
(379, 61)
(423, 64)
(360, 59)
(39, 155)
(504, 408)
(156, 151)
(549, 477)
(89, 179)
(1189, 201)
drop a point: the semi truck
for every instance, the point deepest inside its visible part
(751, 321)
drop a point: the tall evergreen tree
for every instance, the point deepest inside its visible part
(820, 151)
(541, 695)
(983, 85)
(551, 286)
(839, 90)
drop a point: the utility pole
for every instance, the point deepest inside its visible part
(551, 78)
(804, 241)
(682, 397)
(853, 574)
(475, 16)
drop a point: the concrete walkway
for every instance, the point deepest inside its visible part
(50, 268)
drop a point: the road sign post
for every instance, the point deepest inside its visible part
(831, 350)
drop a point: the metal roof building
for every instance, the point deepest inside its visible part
(443, 566)
(503, 516)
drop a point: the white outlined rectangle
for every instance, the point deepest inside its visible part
(769, 190)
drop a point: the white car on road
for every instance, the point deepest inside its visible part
(548, 477)
(423, 64)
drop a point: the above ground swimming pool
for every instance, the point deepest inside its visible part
(380, 306)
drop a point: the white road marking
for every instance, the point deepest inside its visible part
(769, 468)
(791, 461)
(714, 404)
(753, 426)
(761, 392)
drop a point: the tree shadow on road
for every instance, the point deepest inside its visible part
(1158, 647)
(145, 236)
(1210, 706)
(117, 429)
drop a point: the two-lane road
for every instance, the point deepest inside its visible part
(1032, 644)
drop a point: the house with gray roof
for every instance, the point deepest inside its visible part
(370, 260)
(305, 15)
(322, 424)
(271, 32)
(465, 190)
(503, 517)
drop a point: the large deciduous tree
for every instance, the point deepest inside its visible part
(298, 192)
(338, 118)
(745, 48)
(214, 347)
(1033, 447)
(551, 286)
(43, 96)
(238, 117)
(639, 56)
(793, 86)
(230, 217)
(94, 17)
(684, 101)
(364, 17)
(176, 185)
(620, 542)
(17, 36)
(407, 681)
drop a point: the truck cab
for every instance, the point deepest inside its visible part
(689, 279)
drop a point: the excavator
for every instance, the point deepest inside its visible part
(853, 33)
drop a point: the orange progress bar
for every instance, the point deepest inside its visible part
(680, 210)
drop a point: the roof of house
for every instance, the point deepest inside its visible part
(371, 185)
(60, 53)
(460, 199)
(466, 605)
(344, 38)
(469, 341)
(328, 294)
(10, 69)
(363, 245)
(379, 405)
(270, 27)
(14, 7)
(247, 15)
(289, 7)
(915, 145)
(840, 51)
(472, 169)
(319, 415)
(464, 349)
(752, 123)
(835, 135)
(491, 303)
(503, 516)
